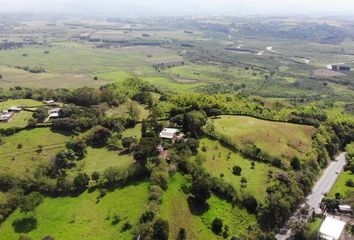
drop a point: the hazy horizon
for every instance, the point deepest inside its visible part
(180, 7)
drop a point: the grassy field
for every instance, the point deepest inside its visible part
(277, 139)
(176, 210)
(123, 110)
(81, 217)
(116, 76)
(19, 153)
(133, 132)
(340, 187)
(166, 84)
(80, 58)
(19, 119)
(17, 77)
(19, 103)
(238, 220)
(99, 159)
(73, 65)
(220, 161)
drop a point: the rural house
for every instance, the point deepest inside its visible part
(345, 209)
(169, 133)
(6, 116)
(15, 109)
(331, 229)
(48, 102)
(54, 113)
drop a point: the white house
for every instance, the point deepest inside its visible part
(48, 101)
(54, 113)
(331, 229)
(15, 109)
(6, 116)
(345, 209)
(169, 133)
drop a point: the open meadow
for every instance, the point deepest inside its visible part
(81, 217)
(177, 209)
(99, 159)
(277, 139)
(23, 152)
(219, 162)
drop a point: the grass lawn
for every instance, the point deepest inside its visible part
(68, 57)
(18, 120)
(340, 187)
(73, 65)
(72, 218)
(99, 159)
(166, 84)
(238, 220)
(220, 160)
(175, 209)
(133, 132)
(18, 77)
(116, 76)
(278, 139)
(19, 103)
(19, 154)
(123, 110)
(315, 225)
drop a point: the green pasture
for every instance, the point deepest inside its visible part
(81, 217)
(277, 139)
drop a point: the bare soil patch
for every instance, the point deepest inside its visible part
(327, 73)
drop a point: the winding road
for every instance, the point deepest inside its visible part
(323, 185)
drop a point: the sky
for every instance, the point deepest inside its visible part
(181, 7)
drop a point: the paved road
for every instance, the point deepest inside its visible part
(322, 186)
(326, 182)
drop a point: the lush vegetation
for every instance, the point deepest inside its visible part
(258, 125)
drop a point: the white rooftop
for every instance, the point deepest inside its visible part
(331, 228)
(345, 207)
(14, 108)
(54, 115)
(168, 133)
(55, 110)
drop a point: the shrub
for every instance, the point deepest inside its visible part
(349, 183)
(236, 170)
(126, 226)
(250, 203)
(160, 230)
(182, 234)
(160, 178)
(95, 176)
(217, 225)
(201, 190)
(115, 219)
(147, 216)
(81, 181)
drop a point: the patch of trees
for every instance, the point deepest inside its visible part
(321, 33)
(192, 122)
(283, 197)
(40, 114)
(32, 69)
